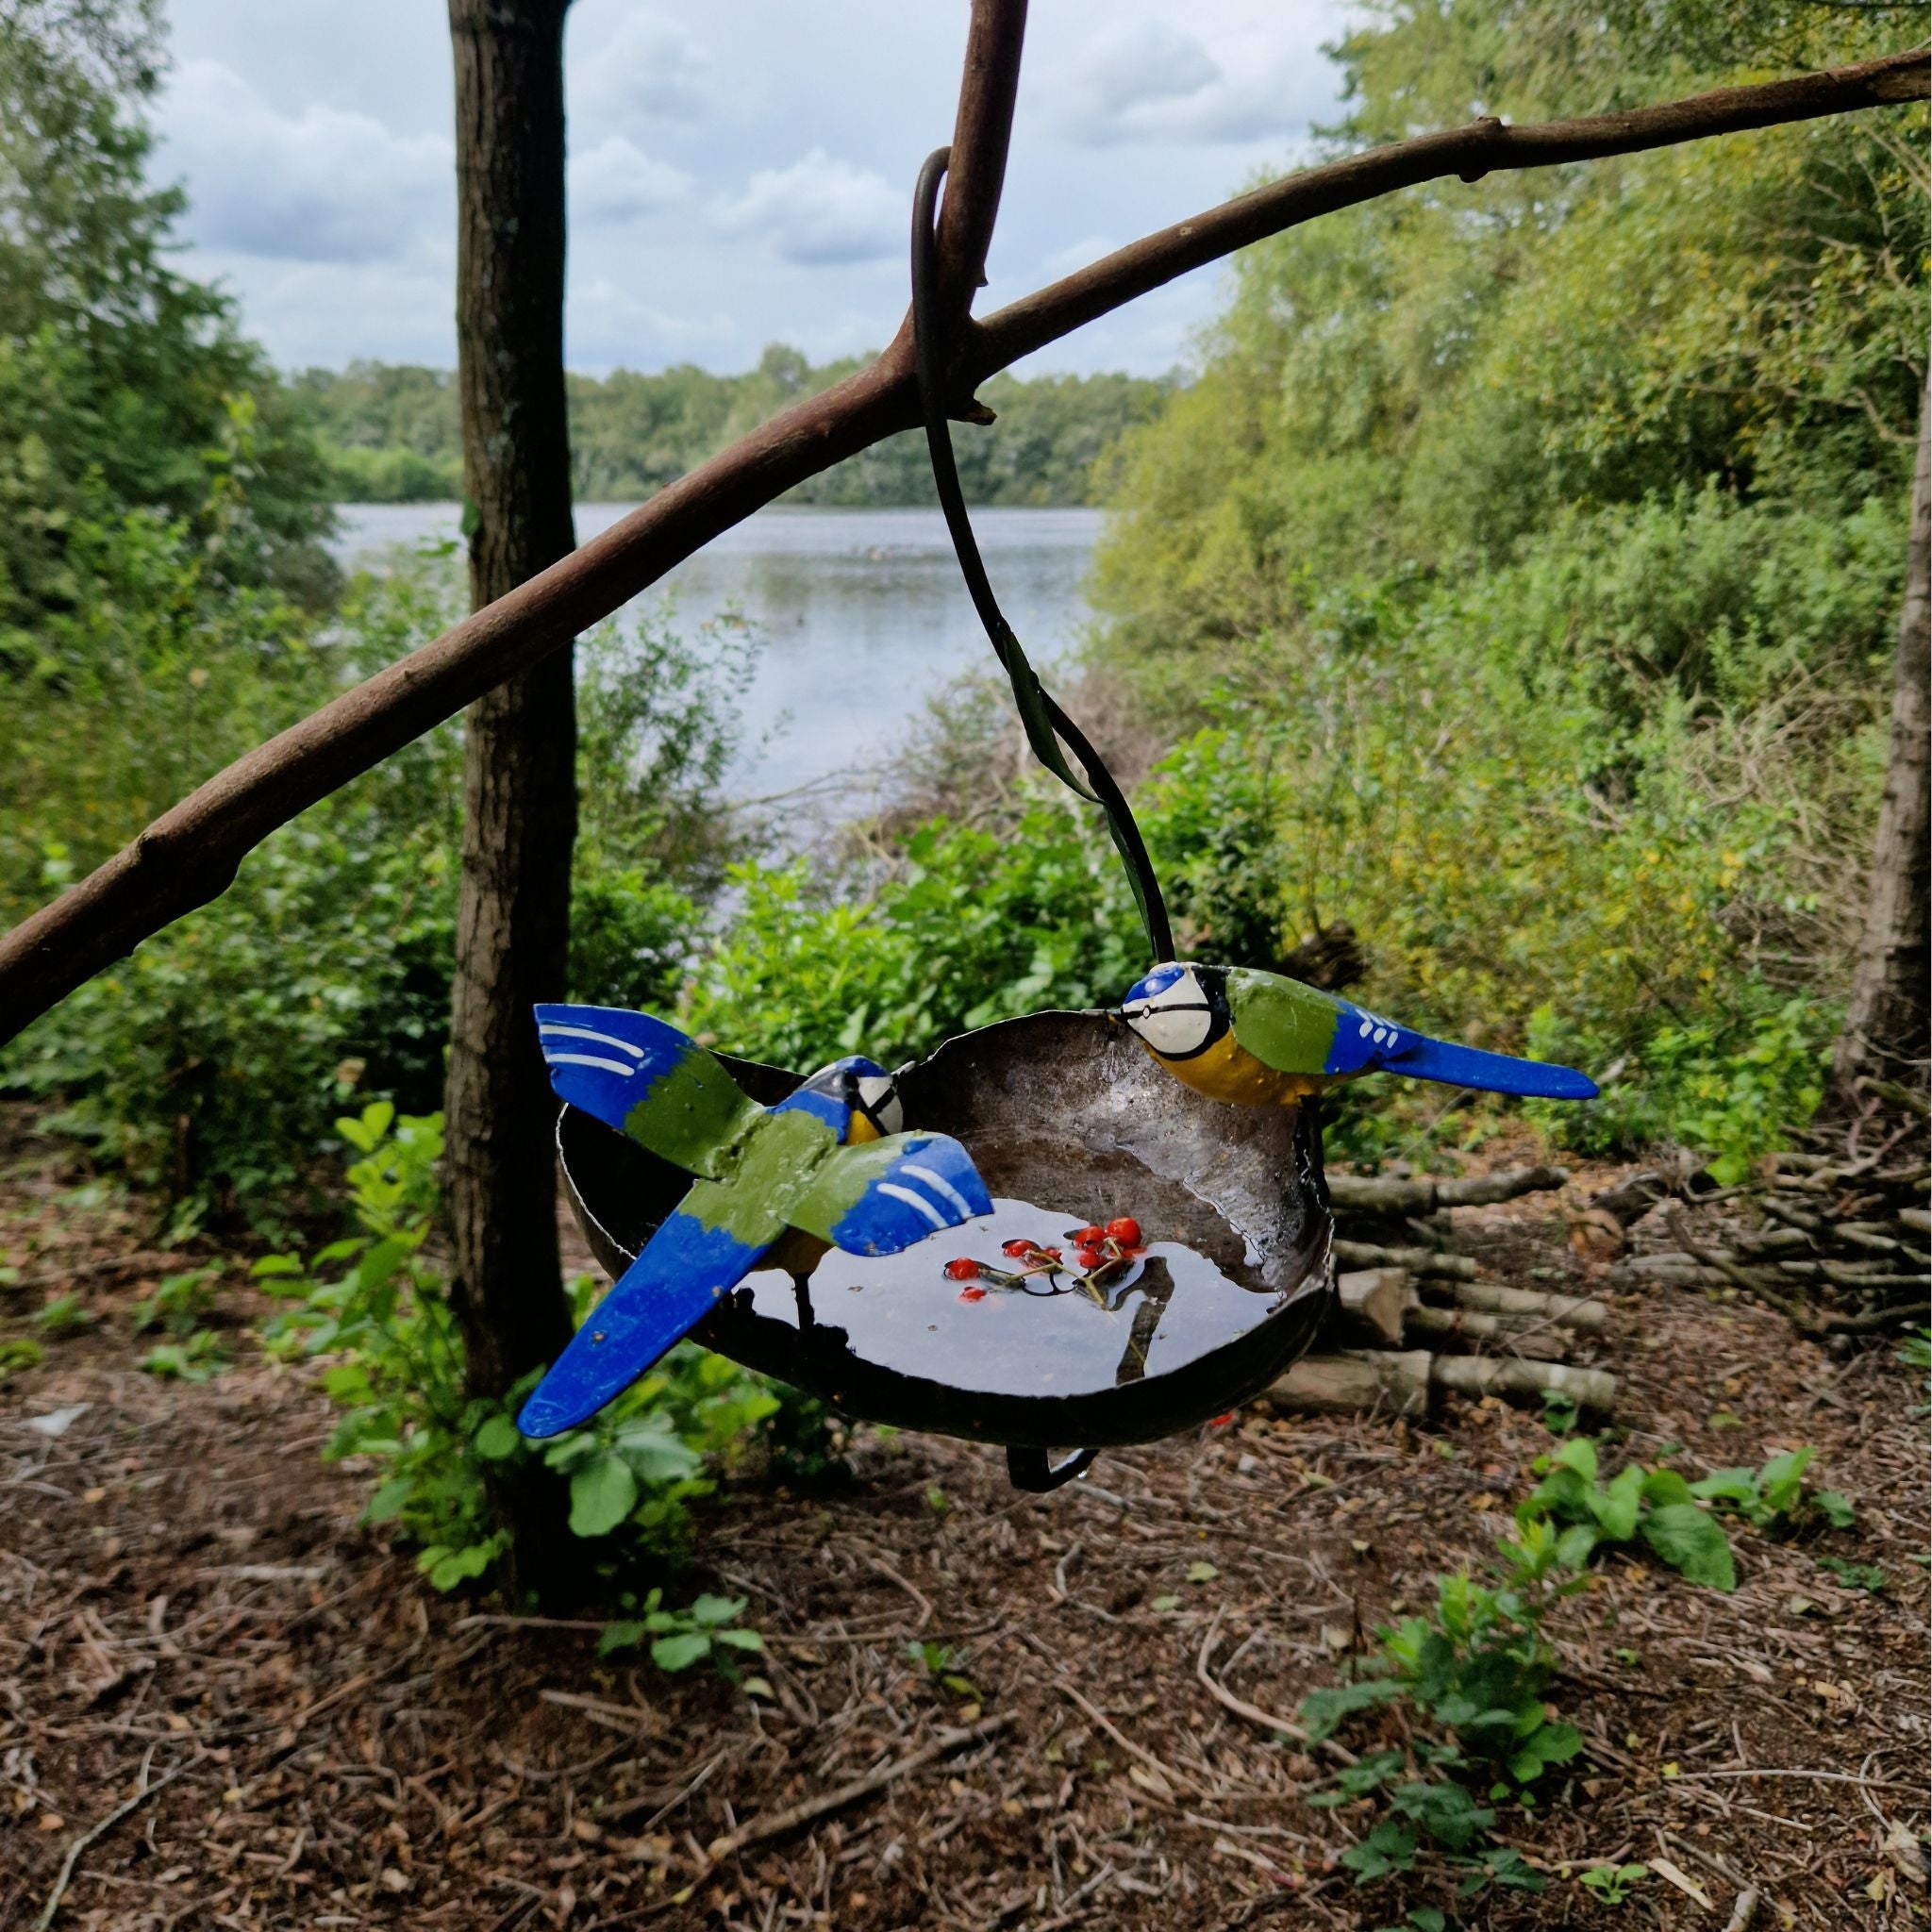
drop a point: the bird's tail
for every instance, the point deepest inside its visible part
(1493, 1072)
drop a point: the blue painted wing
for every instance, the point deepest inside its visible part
(1366, 1043)
(881, 1197)
(683, 1271)
(645, 1079)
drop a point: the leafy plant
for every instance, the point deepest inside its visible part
(1774, 1496)
(374, 1311)
(65, 1314)
(941, 1663)
(1868, 1576)
(678, 1638)
(19, 1351)
(1656, 1506)
(180, 1303)
(197, 1359)
(1472, 1675)
(1611, 1883)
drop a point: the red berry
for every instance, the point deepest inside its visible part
(1018, 1250)
(1090, 1258)
(1089, 1236)
(962, 1270)
(1048, 1253)
(1221, 1421)
(1127, 1231)
(973, 1294)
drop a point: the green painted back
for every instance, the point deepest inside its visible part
(1285, 1024)
(693, 1115)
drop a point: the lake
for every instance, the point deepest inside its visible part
(862, 613)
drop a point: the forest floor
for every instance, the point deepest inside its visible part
(223, 1702)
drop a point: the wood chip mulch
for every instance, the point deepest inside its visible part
(222, 1702)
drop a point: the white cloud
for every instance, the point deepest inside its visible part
(617, 182)
(325, 184)
(819, 211)
(611, 327)
(650, 68)
(1077, 255)
(1143, 81)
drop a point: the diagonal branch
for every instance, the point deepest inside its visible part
(189, 854)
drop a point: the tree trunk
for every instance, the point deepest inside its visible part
(520, 750)
(1885, 1033)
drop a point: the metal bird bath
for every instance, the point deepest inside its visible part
(1069, 1121)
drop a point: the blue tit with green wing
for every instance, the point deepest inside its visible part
(829, 1164)
(1260, 1038)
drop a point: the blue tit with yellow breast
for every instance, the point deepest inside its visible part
(828, 1166)
(1260, 1038)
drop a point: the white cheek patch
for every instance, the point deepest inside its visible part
(882, 1097)
(1174, 1033)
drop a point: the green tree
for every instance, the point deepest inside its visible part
(121, 380)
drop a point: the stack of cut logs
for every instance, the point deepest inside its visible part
(1414, 1323)
(1842, 1246)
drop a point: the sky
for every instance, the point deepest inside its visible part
(740, 171)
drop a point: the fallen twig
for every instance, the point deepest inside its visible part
(776, 1823)
(65, 1876)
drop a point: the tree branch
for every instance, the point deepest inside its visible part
(191, 854)
(982, 131)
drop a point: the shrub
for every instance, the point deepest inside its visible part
(373, 1309)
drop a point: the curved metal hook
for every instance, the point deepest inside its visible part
(1044, 722)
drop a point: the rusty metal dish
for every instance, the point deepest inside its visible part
(1069, 1121)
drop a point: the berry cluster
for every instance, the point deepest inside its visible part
(1102, 1254)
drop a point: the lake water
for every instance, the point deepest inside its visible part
(862, 613)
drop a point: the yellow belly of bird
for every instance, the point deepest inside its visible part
(1227, 1070)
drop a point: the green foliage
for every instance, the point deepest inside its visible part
(196, 1358)
(942, 1664)
(180, 1303)
(19, 1351)
(678, 1638)
(392, 434)
(121, 381)
(1866, 1576)
(1654, 1505)
(1610, 1884)
(980, 923)
(212, 1061)
(64, 1314)
(1774, 1496)
(1469, 1678)
(1531, 549)
(373, 1311)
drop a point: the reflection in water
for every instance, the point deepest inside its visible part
(861, 611)
(901, 1313)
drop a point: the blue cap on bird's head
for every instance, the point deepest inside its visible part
(1151, 984)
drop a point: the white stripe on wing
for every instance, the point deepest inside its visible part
(590, 1060)
(912, 1200)
(939, 1185)
(586, 1033)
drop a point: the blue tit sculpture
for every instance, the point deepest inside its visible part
(1235, 1032)
(829, 1163)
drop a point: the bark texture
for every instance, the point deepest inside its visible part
(519, 753)
(1885, 1032)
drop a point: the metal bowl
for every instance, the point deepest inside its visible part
(1069, 1121)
